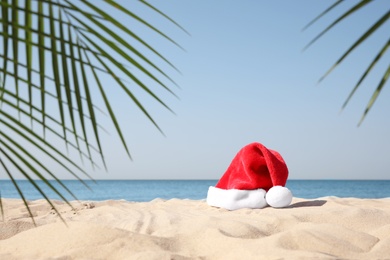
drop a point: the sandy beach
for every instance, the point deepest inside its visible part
(323, 228)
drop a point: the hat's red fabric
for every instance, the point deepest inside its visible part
(255, 167)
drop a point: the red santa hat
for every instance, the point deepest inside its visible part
(255, 178)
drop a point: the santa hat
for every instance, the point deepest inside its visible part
(255, 178)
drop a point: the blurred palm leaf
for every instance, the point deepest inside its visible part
(374, 28)
(55, 56)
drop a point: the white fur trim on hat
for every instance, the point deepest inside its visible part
(233, 199)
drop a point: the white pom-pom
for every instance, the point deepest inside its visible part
(278, 197)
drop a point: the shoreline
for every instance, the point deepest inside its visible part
(324, 228)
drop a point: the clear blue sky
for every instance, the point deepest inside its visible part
(245, 79)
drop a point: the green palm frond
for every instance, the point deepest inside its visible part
(374, 28)
(55, 56)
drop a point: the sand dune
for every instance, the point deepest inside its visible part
(324, 228)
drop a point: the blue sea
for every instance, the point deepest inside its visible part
(147, 190)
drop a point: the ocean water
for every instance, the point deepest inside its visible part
(147, 190)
